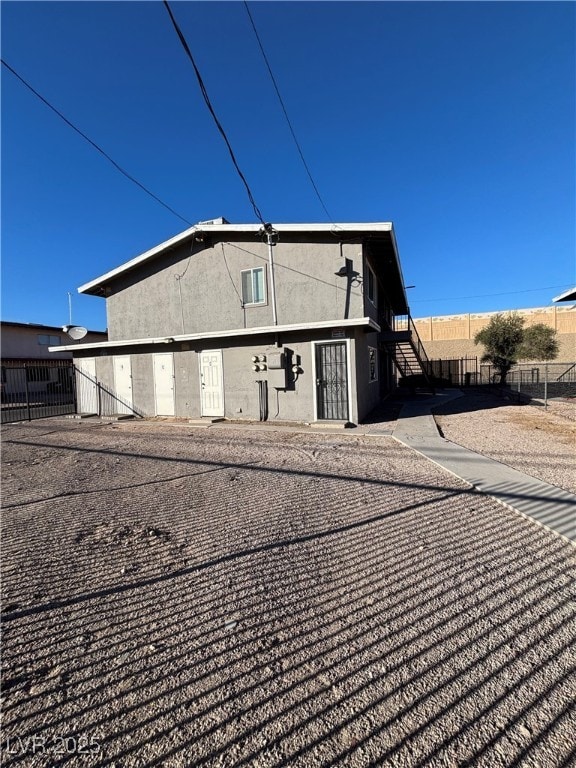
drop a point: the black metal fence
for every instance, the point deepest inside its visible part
(35, 389)
(456, 372)
(95, 398)
(538, 381)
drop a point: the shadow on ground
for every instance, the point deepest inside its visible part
(273, 600)
(471, 399)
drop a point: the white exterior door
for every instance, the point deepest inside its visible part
(86, 385)
(123, 384)
(211, 383)
(164, 383)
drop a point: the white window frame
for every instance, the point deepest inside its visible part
(264, 287)
(373, 379)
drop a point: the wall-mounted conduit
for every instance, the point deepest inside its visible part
(263, 399)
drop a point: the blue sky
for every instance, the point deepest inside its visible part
(456, 121)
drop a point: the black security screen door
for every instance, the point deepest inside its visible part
(331, 381)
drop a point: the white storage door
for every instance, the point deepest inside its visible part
(123, 384)
(211, 383)
(86, 386)
(164, 384)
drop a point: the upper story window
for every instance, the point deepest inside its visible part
(48, 341)
(253, 286)
(371, 285)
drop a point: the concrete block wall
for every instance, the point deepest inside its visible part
(450, 336)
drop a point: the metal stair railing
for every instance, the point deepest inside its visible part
(401, 361)
(405, 323)
(566, 372)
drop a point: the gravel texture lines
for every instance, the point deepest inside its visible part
(539, 442)
(218, 597)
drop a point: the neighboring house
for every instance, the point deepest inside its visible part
(235, 321)
(30, 341)
(26, 361)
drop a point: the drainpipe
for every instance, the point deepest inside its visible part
(271, 239)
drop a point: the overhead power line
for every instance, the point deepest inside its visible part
(287, 268)
(211, 110)
(486, 295)
(93, 144)
(280, 99)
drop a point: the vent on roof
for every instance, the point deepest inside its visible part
(220, 220)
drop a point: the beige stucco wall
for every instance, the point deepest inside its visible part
(450, 336)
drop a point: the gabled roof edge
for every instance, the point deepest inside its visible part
(364, 227)
(138, 260)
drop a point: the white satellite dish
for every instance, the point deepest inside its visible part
(75, 332)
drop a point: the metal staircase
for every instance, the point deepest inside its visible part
(406, 349)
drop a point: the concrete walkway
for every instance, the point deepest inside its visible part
(548, 505)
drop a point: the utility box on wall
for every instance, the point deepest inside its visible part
(277, 370)
(276, 360)
(259, 363)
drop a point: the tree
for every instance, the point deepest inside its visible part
(502, 339)
(539, 343)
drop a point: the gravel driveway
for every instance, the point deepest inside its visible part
(188, 597)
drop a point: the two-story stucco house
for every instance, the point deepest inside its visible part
(242, 322)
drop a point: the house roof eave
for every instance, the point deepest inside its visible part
(569, 295)
(95, 286)
(367, 322)
(384, 252)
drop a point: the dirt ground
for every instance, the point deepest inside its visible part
(201, 597)
(561, 428)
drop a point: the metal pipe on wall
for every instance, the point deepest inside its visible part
(263, 399)
(259, 382)
(271, 235)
